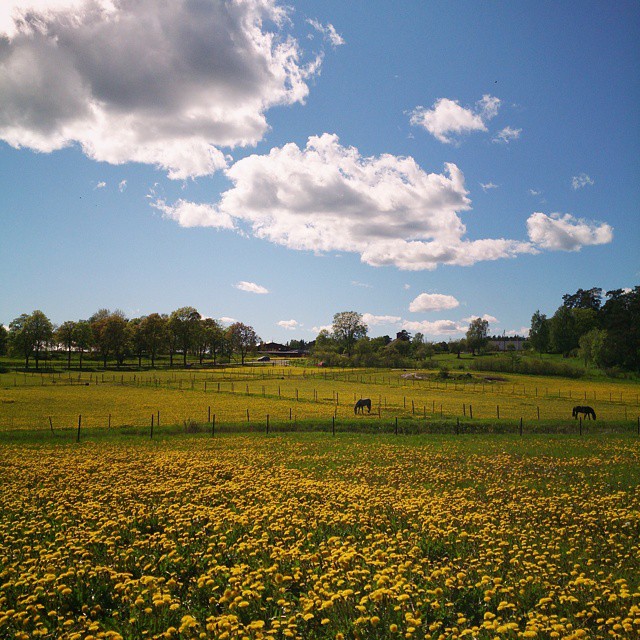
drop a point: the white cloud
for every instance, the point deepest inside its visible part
(436, 328)
(372, 320)
(122, 186)
(447, 117)
(406, 287)
(566, 233)
(290, 325)
(328, 31)
(355, 283)
(190, 214)
(100, 185)
(487, 186)
(322, 327)
(486, 317)
(506, 135)
(250, 287)
(226, 320)
(535, 192)
(164, 83)
(326, 197)
(581, 181)
(433, 302)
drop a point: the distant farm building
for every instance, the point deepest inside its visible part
(503, 343)
(277, 350)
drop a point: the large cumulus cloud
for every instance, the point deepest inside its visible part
(166, 83)
(328, 197)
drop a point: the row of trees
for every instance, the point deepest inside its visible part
(110, 335)
(348, 343)
(603, 330)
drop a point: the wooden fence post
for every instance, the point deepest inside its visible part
(396, 425)
(151, 435)
(267, 424)
(333, 425)
(79, 423)
(213, 426)
(51, 424)
(520, 426)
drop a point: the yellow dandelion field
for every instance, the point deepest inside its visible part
(316, 537)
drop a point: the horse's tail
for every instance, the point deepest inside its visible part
(593, 413)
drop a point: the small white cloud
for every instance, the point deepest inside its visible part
(433, 302)
(436, 328)
(447, 117)
(328, 32)
(250, 287)
(406, 287)
(506, 135)
(486, 317)
(535, 192)
(487, 186)
(100, 185)
(565, 233)
(581, 181)
(226, 320)
(290, 325)
(190, 214)
(322, 327)
(372, 320)
(122, 185)
(355, 283)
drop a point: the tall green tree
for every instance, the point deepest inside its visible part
(4, 340)
(563, 334)
(592, 346)
(83, 338)
(30, 335)
(347, 329)
(183, 324)
(620, 317)
(539, 333)
(584, 299)
(154, 333)
(19, 338)
(116, 337)
(136, 339)
(243, 339)
(477, 334)
(65, 335)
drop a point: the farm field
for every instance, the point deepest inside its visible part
(317, 537)
(245, 396)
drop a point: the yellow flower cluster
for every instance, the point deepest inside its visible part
(316, 538)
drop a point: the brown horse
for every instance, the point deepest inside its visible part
(361, 404)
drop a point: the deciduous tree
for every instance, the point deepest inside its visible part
(243, 339)
(477, 334)
(348, 328)
(539, 334)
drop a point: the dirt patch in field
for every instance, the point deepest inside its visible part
(495, 379)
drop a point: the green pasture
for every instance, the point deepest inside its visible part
(243, 397)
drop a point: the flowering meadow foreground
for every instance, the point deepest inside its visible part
(309, 536)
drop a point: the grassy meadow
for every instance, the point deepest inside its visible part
(312, 537)
(242, 397)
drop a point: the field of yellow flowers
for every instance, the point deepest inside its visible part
(317, 537)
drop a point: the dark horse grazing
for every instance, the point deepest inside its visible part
(588, 412)
(361, 404)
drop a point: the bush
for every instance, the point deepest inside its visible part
(527, 366)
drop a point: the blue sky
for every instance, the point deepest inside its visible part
(421, 163)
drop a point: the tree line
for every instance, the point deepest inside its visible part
(347, 343)
(110, 335)
(602, 329)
